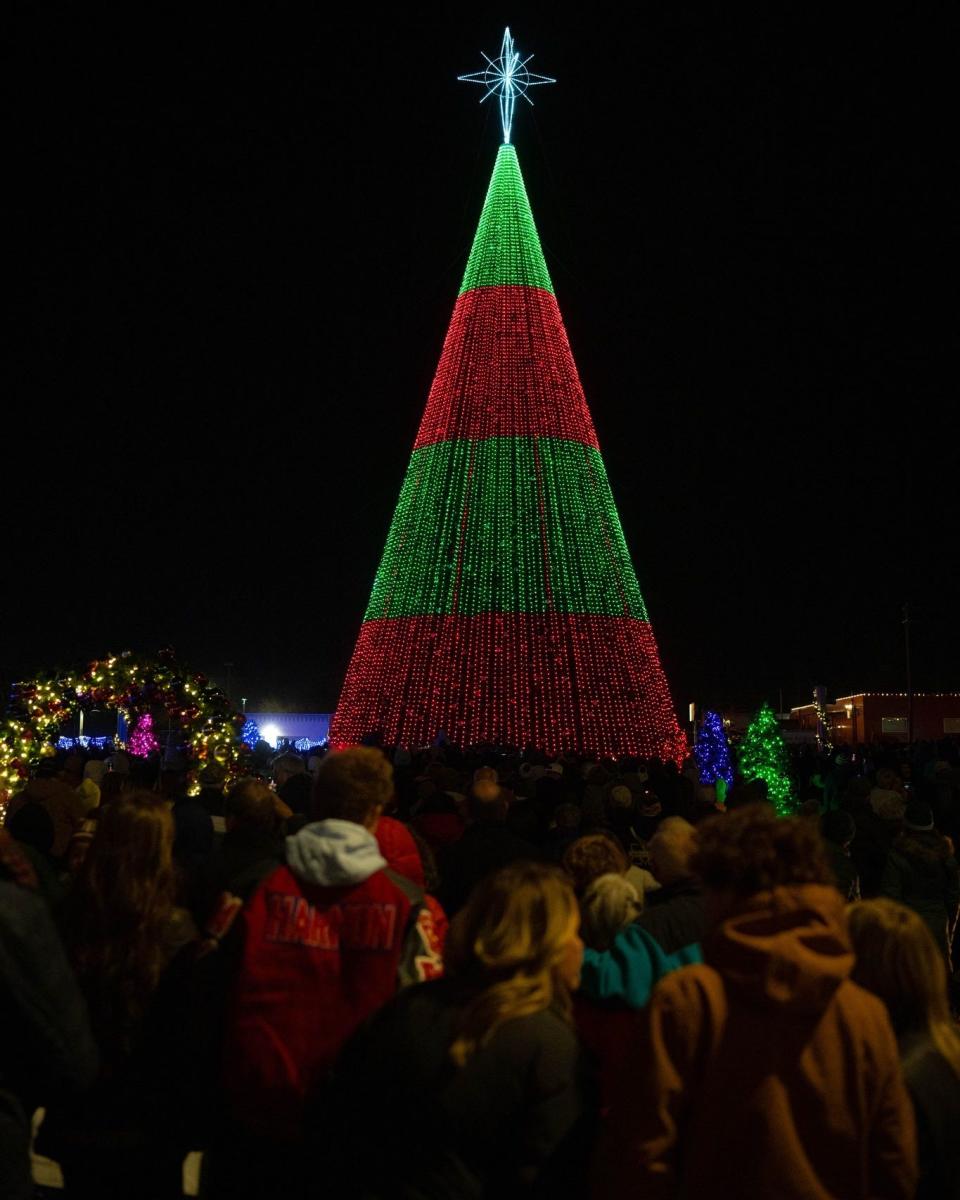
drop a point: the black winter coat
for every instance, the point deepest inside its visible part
(485, 847)
(515, 1121)
(922, 873)
(675, 915)
(935, 1091)
(46, 1047)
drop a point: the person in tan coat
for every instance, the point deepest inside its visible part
(764, 1071)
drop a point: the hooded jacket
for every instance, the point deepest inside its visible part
(765, 1071)
(921, 872)
(323, 939)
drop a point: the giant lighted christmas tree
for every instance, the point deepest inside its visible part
(506, 610)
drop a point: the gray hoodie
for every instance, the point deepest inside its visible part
(334, 853)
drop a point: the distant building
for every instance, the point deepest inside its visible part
(285, 728)
(882, 717)
(736, 720)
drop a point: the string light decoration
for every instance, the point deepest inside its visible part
(250, 733)
(506, 77)
(143, 741)
(824, 740)
(712, 751)
(506, 610)
(763, 755)
(85, 743)
(39, 708)
(303, 745)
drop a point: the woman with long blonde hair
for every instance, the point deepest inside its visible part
(517, 945)
(899, 961)
(481, 1069)
(121, 929)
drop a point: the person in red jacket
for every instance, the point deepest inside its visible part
(765, 1070)
(327, 939)
(399, 847)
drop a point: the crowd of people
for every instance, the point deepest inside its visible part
(477, 974)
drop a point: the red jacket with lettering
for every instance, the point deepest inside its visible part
(398, 847)
(327, 940)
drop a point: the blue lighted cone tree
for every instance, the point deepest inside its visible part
(763, 755)
(713, 752)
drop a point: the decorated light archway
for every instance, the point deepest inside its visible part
(137, 687)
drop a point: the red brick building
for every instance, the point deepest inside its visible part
(883, 717)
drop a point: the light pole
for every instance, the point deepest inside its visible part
(906, 642)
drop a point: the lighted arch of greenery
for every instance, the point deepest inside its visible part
(132, 684)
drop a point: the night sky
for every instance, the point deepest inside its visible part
(243, 237)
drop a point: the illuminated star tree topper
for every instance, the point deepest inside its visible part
(508, 78)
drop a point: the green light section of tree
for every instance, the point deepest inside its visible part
(506, 249)
(763, 755)
(590, 567)
(506, 525)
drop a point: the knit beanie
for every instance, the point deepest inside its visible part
(919, 817)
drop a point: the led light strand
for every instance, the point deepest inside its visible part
(490, 381)
(763, 755)
(506, 609)
(506, 247)
(40, 707)
(608, 691)
(713, 751)
(143, 741)
(508, 78)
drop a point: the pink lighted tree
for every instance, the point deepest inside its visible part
(142, 740)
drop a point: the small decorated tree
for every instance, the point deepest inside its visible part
(763, 755)
(142, 741)
(250, 734)
(713, 752)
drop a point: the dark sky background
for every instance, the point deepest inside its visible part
(244, 235)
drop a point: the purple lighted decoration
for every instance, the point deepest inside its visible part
(142, 742)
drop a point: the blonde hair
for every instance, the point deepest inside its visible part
(508, 942)
(608, 905)
(899, 961)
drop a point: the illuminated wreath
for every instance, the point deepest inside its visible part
(138, 688)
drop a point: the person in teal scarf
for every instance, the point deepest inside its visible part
(629, 970)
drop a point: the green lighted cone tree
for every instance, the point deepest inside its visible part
(763, 755)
